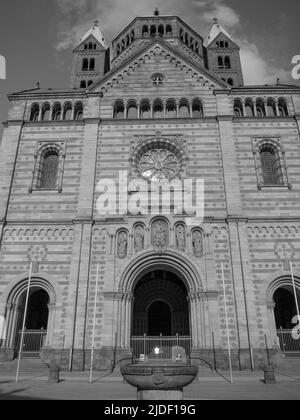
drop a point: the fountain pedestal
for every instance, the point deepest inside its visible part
(159, 380)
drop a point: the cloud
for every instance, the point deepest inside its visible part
(75, 17)
(256, 69)
(217, 9)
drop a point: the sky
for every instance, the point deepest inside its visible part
(37, 36)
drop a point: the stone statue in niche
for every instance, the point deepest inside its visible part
(139, 238)
(197, 241)
(160, 235)
(122, 245)
(180, 237)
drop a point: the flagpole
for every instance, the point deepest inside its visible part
(94, 325)
(295, 292)
(24, 321)
(227, 325)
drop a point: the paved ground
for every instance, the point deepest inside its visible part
(212, 386)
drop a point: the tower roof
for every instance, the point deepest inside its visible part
(95, 32)
(216, 29)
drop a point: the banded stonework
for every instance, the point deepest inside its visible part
(158, 104)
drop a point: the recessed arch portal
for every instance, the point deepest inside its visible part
(39, 318)
(160, 305)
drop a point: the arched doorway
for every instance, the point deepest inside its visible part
(285, 308)
(285, 313)
(36, 322)
(160, 305)
(160, 316)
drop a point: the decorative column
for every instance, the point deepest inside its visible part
(129, 299)
(51, 323)
(194, 329)
(51, 112)
(277, 108)
(266, 109)
(7, 326)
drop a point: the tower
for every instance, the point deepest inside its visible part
(91, 59)
(223, 56)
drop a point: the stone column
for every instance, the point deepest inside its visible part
(193, 317)
(51, 324)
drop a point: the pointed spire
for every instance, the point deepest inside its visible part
(97, 33)
(216, 29)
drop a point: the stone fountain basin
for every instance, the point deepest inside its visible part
(159, 376)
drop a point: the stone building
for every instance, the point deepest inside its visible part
(160, 103)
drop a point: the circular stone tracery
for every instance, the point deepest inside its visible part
(158, 158)
(158, 164)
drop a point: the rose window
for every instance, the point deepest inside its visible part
(158, 164)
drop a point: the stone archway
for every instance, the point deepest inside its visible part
(160, 305)
(281, 306)
(39, 320)
(199, 302)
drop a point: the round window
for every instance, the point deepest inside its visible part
(159, 164)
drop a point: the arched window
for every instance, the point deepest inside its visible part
(119, 110)
(161, 30)
(270, 165)
(220, 62)
(169, 30)
(90, 46)
(78, 112)
(271, 108)
(67, 112)
(132, 35)
(158, 109)
(221, 44)
(56, 115)
(92, 64)
(283, 109)
(34, 113)
(46, 112)
(85, 64)
(145, 109)
(226, 44)
(132, 110)
(260, 108)
(153, 31)
(227, 62)
(249, 108)
(238, 108)
(186, 39)
(230, 82)
(197, 109)
(171, 110)
(181, 34)
(49, 170)
(145, 31)
(85, 46)
(83, 84)
(184, 109)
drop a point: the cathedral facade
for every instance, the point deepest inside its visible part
(161, 103)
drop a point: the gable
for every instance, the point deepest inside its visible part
(223, 37)
(158, 57)
(89, 39)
